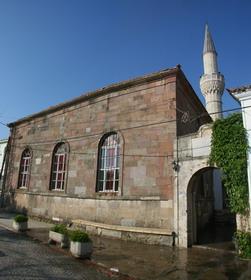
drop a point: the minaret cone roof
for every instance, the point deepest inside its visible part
(208, 42)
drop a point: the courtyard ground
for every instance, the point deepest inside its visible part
(20, 254)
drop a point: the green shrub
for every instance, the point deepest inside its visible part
(229, 153)
(20, 218)
(60, 228)
(79, 236)
(243, 241)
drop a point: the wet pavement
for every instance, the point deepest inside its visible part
(217, 236)
(154, 262)
(23, 258)
(216, 233)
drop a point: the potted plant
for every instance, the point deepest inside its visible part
(59, 234)
(81, 244)
(20, 222)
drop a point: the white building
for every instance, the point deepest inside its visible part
(243, 96)
(3, 144)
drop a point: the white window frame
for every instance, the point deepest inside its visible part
(114, 167)
(24, 173)
(57, 172)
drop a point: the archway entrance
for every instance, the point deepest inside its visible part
(209, 220)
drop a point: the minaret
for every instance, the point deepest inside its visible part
(212, 82)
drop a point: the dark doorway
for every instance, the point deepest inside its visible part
(209, 219)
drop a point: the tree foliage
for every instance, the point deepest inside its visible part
(229, 153)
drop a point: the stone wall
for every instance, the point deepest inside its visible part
(147, 213)
(144, 114)
(192, 156)
(191, 114)
(243, 223)
(139, 114)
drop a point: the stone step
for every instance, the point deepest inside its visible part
(140, 234)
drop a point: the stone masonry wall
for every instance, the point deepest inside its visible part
(124, 212)
(191, 114)
(145, 118)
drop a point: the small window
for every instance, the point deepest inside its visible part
(58, 167)
(24, 170)
(108, 164)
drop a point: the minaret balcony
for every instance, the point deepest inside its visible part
(212, 83)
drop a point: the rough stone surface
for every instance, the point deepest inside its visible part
(138, 261)
(22, 258)
(188, 166)
(148, 116)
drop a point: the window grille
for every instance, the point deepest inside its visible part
(108, 165)
(58, 167)
(24, 170)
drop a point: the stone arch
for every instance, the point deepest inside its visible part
(182, 180)
(208, 219)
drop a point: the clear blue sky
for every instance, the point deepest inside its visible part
(54, 50)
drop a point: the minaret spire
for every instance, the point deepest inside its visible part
(208, 42)
(212, 82)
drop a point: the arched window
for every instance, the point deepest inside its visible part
(24, 169)
(108, 164)
(58, 167)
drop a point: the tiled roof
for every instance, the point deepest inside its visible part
(239, 89)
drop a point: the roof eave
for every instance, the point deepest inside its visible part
(99, 92)
(238, 90)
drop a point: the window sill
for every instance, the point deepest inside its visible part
(109, 194)
(22, 189)
(55, 190)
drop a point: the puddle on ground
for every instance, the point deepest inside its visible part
(157, 262)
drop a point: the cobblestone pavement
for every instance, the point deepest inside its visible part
(24, 258)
